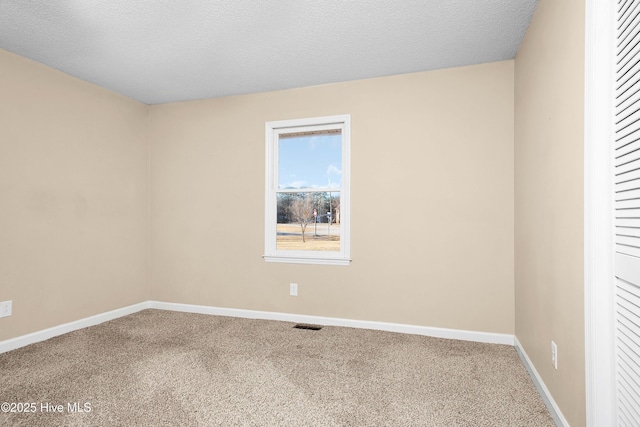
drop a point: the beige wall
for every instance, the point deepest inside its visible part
(73, 198)
(432, 201)
(549, 103)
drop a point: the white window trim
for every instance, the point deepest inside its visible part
(272, 132)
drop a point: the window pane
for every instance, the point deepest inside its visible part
(308, 221)
(310, 161)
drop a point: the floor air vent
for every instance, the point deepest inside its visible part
(309, 327)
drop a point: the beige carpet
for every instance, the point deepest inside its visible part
(167, 368)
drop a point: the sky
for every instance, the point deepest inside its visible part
(310, 161)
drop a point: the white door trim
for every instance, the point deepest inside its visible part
(598, 218)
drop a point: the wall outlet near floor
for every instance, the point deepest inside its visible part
(293, 289)
(554, 354)
(5, 308)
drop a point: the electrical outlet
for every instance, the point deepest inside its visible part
(5, 308)
(554, 354)
(293, 289)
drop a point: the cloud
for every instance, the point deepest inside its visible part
(332, 169)
(295, 184)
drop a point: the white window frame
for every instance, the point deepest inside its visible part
(273, 130)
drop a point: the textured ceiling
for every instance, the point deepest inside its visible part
(166, 50)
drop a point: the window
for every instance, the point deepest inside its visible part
(307, 191)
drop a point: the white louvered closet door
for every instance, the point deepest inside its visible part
(627, 211)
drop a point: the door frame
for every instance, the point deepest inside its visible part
(598, 215)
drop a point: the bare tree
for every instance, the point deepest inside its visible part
(301, 211)
(335, 206)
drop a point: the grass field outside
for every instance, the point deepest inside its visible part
(322, 238)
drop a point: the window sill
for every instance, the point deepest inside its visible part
(299, 260)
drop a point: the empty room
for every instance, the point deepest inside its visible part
(340, 213)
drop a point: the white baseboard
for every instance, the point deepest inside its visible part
(551, 404)
(456, 334)
(45, 334)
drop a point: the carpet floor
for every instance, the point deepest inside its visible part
(168, 368)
